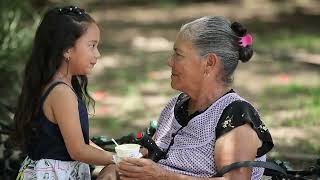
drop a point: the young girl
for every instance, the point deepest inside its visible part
(51, 121)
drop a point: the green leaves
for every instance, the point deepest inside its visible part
(15, 43)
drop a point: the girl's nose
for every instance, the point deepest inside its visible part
(98, 54)
(170, 61)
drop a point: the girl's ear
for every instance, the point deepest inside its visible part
(67, 53)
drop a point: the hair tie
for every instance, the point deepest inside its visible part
(71, 9)
(246, 40)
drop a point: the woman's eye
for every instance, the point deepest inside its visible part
(176, 54)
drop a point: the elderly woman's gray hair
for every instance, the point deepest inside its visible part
(213, 34)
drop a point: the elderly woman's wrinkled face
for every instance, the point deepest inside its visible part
(187, 69)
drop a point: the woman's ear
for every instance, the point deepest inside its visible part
(211, 63)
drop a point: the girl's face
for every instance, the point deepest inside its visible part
(84, 54)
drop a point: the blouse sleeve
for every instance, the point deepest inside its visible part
(239, 113)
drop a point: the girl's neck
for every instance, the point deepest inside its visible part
(65, 77)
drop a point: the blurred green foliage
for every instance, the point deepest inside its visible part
(16, 32)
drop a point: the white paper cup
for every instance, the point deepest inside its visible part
(128, 150)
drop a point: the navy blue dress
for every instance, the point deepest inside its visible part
(47, 140)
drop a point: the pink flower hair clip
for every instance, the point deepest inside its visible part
(246, 40)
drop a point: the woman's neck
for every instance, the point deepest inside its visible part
(203, 98)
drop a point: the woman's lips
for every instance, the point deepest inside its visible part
(173, 74)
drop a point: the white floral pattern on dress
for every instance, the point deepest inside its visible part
(227, 122)
(51, 169)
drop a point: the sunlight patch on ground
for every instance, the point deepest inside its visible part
(265, 10)
(262, 72)
(309, 6)
(160, 75)
(282, 116)
(152, 44)
(104, 62)
(289, 134)
(152, 15)
(155, 102)
(292, 137)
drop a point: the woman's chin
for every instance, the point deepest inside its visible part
(174, 86)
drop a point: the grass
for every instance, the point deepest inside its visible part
(303, 103)
(134, 70)
(112, 126)
(297, 106)
(286, 41)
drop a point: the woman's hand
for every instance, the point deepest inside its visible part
(145, 169)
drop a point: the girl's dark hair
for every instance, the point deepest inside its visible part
(57, 32)
(245, 53)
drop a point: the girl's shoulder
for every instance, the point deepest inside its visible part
(60, 93)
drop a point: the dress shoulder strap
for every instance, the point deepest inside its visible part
(44, 96)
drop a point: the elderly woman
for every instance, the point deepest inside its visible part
(208, 126)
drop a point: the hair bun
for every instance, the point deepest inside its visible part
(245, 53)
(238, 29)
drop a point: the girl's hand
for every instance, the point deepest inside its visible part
(144, 169)
(108, 173)
(144, 152)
